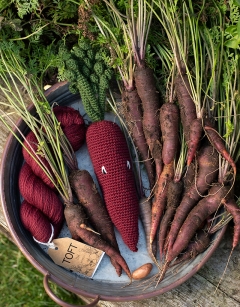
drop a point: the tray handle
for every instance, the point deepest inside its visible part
(57, 300)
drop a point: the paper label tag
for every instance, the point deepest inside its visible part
(76, 256)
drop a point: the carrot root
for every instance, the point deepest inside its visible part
(189, 176)
(234, 210)
(146, 88)
(195, 135)
(82, 183)
(207, 173)
(169, 123)
(75, 216)
(196, 217)
(160, 198)
(186, 103)
(132, 111)
(218, 144)
(145, 210)
(173, 199)
(198, 246)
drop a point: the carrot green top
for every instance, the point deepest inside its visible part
(88, 74)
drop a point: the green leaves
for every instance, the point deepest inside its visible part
(234, 32)
(236, 2)
(229, 128)
(36, 27)
(15, 24)
(25, 7)
(233, 42)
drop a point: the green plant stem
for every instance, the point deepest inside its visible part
(120, 48)
(13, 73)
(138, 29)
(28, 36)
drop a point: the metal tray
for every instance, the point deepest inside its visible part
(105, 285)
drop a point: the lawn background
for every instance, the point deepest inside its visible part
(21, 285)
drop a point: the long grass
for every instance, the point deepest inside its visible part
(21, 285)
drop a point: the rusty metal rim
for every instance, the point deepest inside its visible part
(54, 278)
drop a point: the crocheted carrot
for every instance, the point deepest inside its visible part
(89, 75)
(112, 164)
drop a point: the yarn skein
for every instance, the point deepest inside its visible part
(38, 194)
(32, 148)
(37, 223)
(74, 128)
(72, 124)
(41, 206)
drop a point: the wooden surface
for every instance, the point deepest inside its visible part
(200, 290)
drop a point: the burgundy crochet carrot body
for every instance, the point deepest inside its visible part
(112, 164)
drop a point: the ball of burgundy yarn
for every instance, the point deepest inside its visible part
(72, 124)
(37, 223)
(38, 194)
(32, 140)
